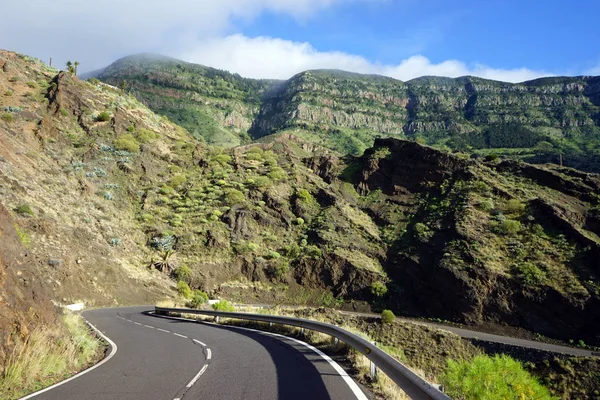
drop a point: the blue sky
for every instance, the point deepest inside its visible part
(505, 40)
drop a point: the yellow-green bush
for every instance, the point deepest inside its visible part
(485, 377)
(128, 143)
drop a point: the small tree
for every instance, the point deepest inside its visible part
(387, 317)
(123, 85)
(164, 262)
(75, 66)
(69, 66)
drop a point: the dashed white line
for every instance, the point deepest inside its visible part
(189, 385)
(137, 323)
(182, 336)
(163, 330)
(148, 326)
(128, 320)
(208, 354)
(199, 342)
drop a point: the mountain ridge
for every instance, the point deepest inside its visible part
(346, 111)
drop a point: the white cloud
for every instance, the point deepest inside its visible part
(97, 32)
(265, 57)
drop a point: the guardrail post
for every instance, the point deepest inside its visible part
(372, 369)
(302, 332)
(217, 319)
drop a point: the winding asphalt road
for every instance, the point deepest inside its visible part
(167, 359)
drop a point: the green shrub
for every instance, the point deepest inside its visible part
(222, 159)
(273, 255)
(184, 289)
(94, 81)
(508, 227)
(313, 251)
(514, 206)
(299, 221)
(387, 317)
(481, 187)
(529, 273)
(103, 117)
(422, 232)
(279, 269)
(485, 377)
(145, 135)
(378, 289)
(32, 84)
(183, 273)
(177, 181)
(486, 205)
(6, 117)
(128, 143)
(491, 157)
(199, 298)
(24, 210)
(234, 196)
(223, 305)
(8, 93)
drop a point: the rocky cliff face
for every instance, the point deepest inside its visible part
(488, 242)
(427, 106)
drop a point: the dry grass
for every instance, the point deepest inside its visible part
(49, 354)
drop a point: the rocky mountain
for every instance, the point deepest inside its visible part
(104, 193)
(214, 106)
(536, 121)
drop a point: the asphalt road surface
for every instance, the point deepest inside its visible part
(166, 359)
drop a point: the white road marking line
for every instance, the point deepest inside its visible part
(137, 323)
(113, 351)
(177, 334)
(129, 320)
(349, 381)
(208, 354)
(189, 385)
(148, 326)
(163, 330)
(199, 342)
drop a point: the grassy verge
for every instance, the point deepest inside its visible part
(48, 355)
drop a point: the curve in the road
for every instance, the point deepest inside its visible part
(171, 359)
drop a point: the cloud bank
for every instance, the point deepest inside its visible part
(265, 57)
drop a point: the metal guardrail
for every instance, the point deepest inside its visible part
(414, 386)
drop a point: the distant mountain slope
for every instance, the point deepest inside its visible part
(537, 121)
(214, 106)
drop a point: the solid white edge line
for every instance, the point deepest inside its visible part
(347, 378)
(189, 385)
(112, 353)
(208, 354)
